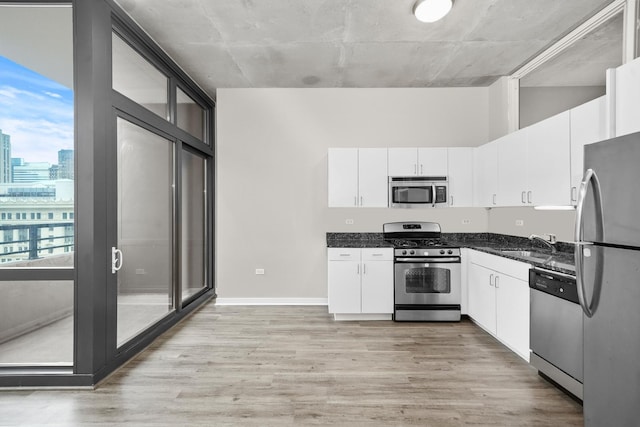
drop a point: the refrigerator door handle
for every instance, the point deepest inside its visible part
(590, 177)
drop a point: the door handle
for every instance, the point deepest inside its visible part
(589, 308)
(496, 281)
(574, 194)
(529, 196)
(433, 195)
(491, 279)
(116, 260)
(524, 197)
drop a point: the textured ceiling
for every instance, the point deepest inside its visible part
(353, 43)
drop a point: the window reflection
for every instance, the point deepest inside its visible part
(137, 79)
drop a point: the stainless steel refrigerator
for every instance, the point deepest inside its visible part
(608, 276)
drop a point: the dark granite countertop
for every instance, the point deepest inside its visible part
(562, 261)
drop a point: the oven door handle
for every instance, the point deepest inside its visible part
(446, 260)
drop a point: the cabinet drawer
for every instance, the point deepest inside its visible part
(517, 269)
(377, 254)
(344, 254)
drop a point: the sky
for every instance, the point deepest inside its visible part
(36, 112)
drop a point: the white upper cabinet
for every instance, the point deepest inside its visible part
(534, 164)
(485, 172)
(512, 169)
(418, 161)
(548, 167)
(432, 161)
(343, 177)
(460, 168)
(372, 178)
(627, 98)
(357, 177)
(588, 125)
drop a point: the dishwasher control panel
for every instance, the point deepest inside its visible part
(559, 285)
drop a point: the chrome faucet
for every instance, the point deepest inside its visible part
(551, 242)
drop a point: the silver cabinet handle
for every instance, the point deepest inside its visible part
(421, 169)
(361, 201)
(116, 260)
(529, 196)
(524, 197)
(574, 194)
(491, 280)
(358, 269)
(355, 200)
(364, 268)
(415, 169)
(451, 200)
(589, 308)
(494, 199)
(496, 281)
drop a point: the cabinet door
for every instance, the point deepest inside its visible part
(403, 161)
(627, 98)
(432, 161)
(482, 296)
(343, 177)
(344, 287)
(460, 176)
(588, 125)
(512, 169)
(485, 170)
(372, 177)
(377, 287)
(512, 315)
(549, 161)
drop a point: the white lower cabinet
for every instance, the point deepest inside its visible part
(498, 293)
(360, 282)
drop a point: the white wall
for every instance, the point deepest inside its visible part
(499, 108)
(539, 103)
(560, 223)
(272, 175)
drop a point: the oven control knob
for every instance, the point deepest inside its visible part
(441, 251)
(449, 251)
(411, 252)
(404, 252)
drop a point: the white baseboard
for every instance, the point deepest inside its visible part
(356, 317)
(272, 301)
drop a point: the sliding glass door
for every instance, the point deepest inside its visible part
(143, 258)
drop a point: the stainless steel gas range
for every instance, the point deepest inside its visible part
(427, 273)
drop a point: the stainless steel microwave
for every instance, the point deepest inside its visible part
(418, 192)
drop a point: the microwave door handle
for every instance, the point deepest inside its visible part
(433, 195)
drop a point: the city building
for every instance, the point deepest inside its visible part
(32, 172)
(5, 157)
(65, 164)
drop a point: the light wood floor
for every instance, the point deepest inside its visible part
(274, 366)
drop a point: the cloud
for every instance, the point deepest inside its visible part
(53, 95)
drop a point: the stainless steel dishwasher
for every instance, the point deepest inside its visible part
(556, 329)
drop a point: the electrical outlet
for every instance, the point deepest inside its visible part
(259, 270)
(519, 222)
(349, 221)
(466, 221)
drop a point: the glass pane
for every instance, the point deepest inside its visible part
(190, 115)
(145, 179)
(36, 323)
(137, 79)
(428, 280)
(36, 166)
(193, 224)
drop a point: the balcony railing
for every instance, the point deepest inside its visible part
(34, 242)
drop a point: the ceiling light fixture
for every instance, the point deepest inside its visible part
(431, 10)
